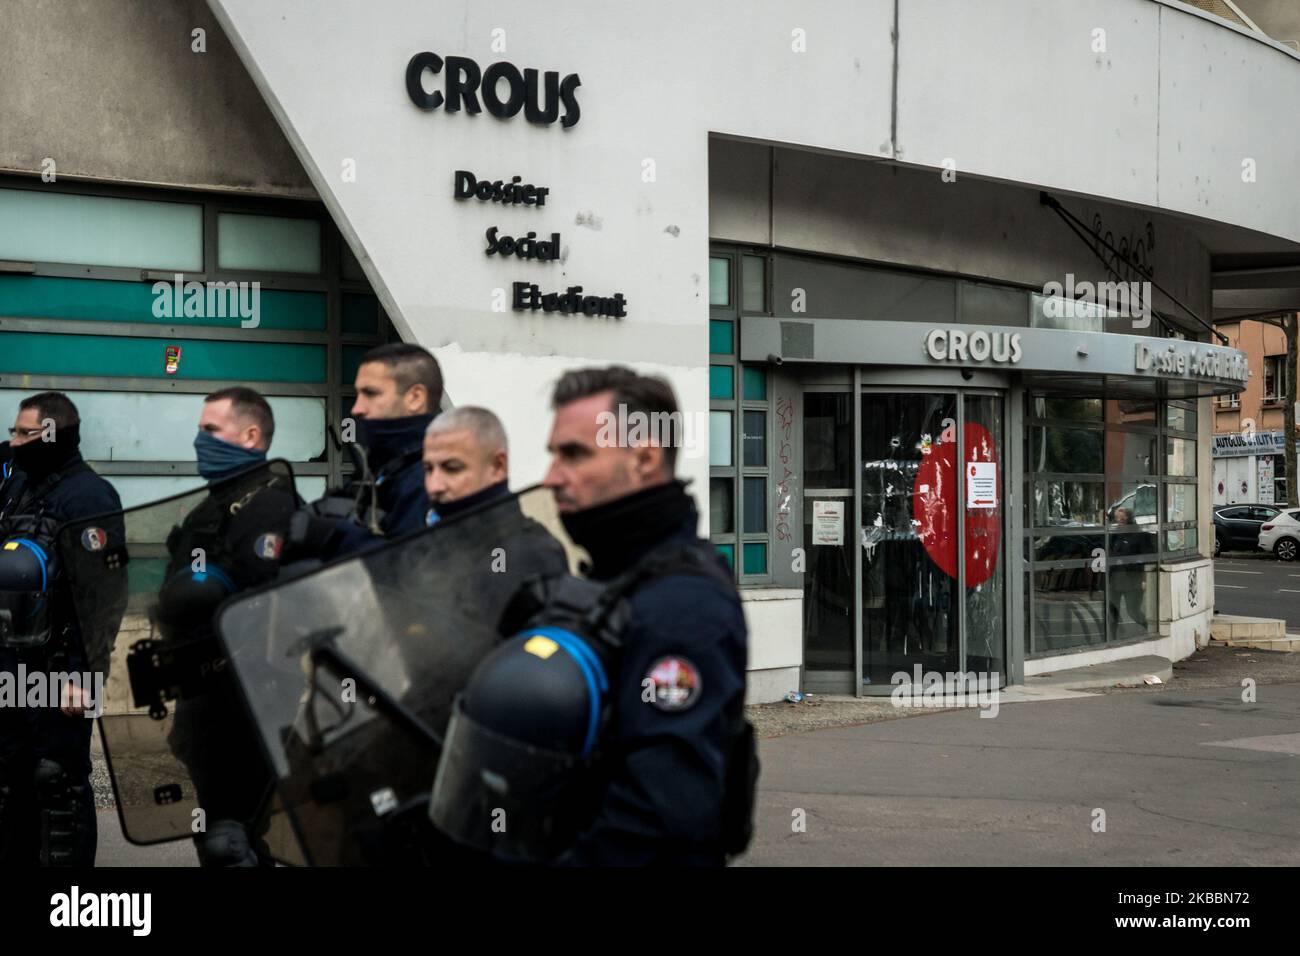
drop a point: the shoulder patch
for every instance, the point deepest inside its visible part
(94, 539)
(675, 684)
(268, 546)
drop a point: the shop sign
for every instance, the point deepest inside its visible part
(1239, 444)
(1180, 359)
(959, 345)
(465, 82)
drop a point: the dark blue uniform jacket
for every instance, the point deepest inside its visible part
(663, 801)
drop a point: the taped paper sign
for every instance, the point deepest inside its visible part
(981, 484)
(828, 522)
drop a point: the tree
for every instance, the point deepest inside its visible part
(1287, 323)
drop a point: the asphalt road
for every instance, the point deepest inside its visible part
(1184, 773)
(1258, 587)
(1195, 777)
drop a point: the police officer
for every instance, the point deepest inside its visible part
(668, 757)
(610, 729)
(47, 809)
(417, 617)
(7, 474)
(238, 531)
(466, 466)
(466, 476)
(399, 389)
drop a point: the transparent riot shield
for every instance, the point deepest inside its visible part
(146, 583)
(350, 671)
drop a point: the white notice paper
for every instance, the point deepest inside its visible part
(981, 484)
(828, 522)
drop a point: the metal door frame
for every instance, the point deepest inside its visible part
(848, 495)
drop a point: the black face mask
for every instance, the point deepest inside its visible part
(448, 508)
(386, 438)
(37, 458)
(619, 532)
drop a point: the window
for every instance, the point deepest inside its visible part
(1110, 492)
(39, 226)
(1275, 378)
(740, 420)
(93, 327)
(268, 243)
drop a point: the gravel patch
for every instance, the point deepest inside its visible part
(817, 712)
(1214, 667)
(99, 779)
(1218, 666)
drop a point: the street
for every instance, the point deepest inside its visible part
(1177, 777)
(1187, 773)
(1258, 587)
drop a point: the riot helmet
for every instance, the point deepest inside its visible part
(517, 774)
(25, 580)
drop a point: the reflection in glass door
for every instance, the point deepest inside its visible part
(909, 535)
(931, 489)
(985, 582)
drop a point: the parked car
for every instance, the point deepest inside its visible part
(1236, 527)
(1282, 535)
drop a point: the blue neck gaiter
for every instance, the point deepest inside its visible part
(218, 459)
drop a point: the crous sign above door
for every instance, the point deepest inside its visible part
(934, 502)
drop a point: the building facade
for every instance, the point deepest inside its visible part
(933, 281)
(1249, 450)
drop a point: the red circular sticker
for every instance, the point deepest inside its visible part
(935, 500)
(675, 683)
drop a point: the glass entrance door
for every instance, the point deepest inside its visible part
(830, 637)
(931, 535)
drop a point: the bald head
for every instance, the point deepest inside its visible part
(464, 452)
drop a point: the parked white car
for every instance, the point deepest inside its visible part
(1281, 535)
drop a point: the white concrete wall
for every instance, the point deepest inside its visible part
(1186, 606)
(775, 620)
(1011, 90)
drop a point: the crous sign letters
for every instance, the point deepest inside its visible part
(503, 87)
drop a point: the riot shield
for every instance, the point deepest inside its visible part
(146, 583)
(349, 672)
